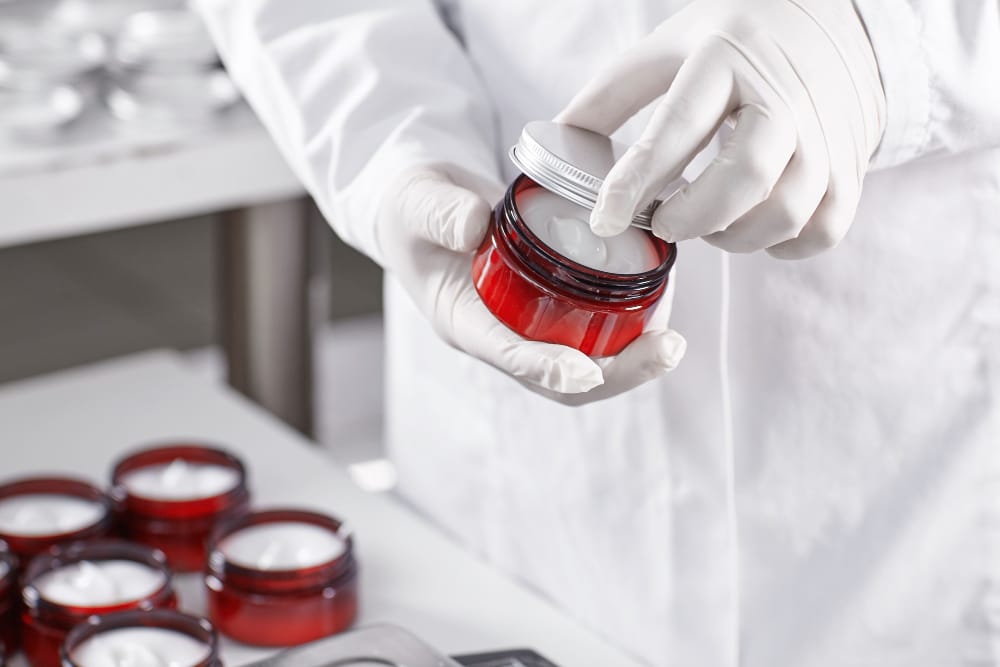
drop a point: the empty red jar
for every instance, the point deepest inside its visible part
(256, 599)
(159, 633)
(68, 585)
(8, 604)
(38, 513)
(172, 497)
(547, 297)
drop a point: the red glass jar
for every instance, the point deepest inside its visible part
(547, 297)
(8, 604)
(27, 544)
(193, 627)
(178, 526)
(281, 607)
(45, 622)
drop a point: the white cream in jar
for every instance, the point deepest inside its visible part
(180, 480)
(282, 545)
(99, 583)
(141, 647)
(39, 514)
(565, 228)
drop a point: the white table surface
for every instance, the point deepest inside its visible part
(103, 174)
(78, 421)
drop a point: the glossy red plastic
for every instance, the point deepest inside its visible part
(193, 626)
(282, 607)
(45, 624)
(8, 604)
(27, 546)
(547, 297)
(179, 528)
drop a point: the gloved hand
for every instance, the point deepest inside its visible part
(800, 81)
(429, 226)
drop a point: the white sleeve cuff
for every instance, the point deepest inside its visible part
(895, 33)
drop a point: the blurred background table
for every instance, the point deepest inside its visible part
(77, 422)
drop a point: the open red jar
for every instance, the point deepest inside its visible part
(172, 497)
(158, 637)
(544, 274)
(8, 604)
(37, 513)
(282, 577)
(68, 585)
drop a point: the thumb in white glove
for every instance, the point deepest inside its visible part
(428, 227)
(799, 79)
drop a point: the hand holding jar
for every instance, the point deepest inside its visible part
(428, 227)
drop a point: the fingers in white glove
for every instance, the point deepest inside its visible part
(441, 212)
(682, 124)
(647, 358)
(825, 230)
(793, 200)
(741, 176)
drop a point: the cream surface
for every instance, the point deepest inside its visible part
(180, 480)
(564, 227)
(282, 545)
(99, 583)
(141, 647)
(39, 514)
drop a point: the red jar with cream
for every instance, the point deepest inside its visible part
(70, 584)
(172, 497)
(544, 274)
(282, 577)
(38, 513)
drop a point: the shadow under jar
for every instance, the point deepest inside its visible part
(281, 578)
(540, 269)
(159, 637)
(38, 513)
(70, 584)
(172, 497)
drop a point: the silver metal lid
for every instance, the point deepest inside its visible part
(573, 163)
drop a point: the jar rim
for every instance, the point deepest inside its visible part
(165, 453)
(283, 580)
(584, 281)
(194, 626)
(94, 550)
(59, 486)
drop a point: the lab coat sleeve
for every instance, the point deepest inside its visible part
(939, 61)
(354, 92)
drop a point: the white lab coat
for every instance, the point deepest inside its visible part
(818, 484)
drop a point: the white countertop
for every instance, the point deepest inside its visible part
(78, 421)
(102, 174)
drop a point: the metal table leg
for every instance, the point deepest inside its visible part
(266, 328)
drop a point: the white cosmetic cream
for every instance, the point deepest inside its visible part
(140, 647)
(180, 480)
(564, 227)
(99, 583)
(39, 514)
(282, 545)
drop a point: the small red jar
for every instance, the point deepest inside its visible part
(25, 545)
(547, 297)
(178, 526)
(45, 623)
(194, 627)
(281, 607)
(8, 604)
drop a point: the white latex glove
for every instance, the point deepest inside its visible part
(799, 79)
(427, 229)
